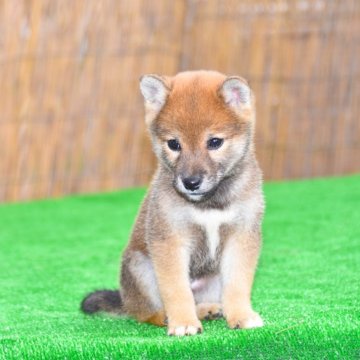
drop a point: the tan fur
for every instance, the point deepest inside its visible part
(178, 300)
(157, 319)
(193, 253)
(240, 258)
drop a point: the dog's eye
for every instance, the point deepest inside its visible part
(174, 145)
(214, 143)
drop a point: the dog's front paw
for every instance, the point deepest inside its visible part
(191, 328)
(245, 321)
(209, 311)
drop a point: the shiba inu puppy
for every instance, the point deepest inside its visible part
(196, 242)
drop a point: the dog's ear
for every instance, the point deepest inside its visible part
(155, 90)
(236, 93)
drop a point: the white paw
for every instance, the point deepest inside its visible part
(254, 321)
(248, 321)
(184, 330)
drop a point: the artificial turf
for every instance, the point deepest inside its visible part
(307, 285)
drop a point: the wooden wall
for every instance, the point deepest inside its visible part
(71, 116)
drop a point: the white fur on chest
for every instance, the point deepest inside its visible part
(211, 220)
(243, 214)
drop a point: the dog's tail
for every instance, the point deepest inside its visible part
(102, 300)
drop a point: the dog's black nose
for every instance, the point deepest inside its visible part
(192, 183)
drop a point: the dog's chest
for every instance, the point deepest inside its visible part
(208, 235)
(210, 221)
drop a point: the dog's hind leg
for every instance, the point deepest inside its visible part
(139, 289)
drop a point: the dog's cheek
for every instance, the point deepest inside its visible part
(169, 158)
(227, 156)
(220, 159)
(219, 155)
(172, 156)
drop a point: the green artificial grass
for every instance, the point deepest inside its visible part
(307, 285)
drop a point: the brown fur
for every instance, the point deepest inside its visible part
(192, 256)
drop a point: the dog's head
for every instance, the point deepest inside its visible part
(201, 124)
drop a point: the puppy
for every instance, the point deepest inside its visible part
(196, 241)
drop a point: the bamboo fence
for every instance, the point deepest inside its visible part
(71, 115)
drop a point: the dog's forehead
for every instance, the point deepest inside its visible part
(196, 91)
(194, 106)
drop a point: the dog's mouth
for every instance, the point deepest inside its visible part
(193, 193)
(204, 192)
(196, 196)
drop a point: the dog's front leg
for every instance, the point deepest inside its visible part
(237, 269)
(171, 262)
